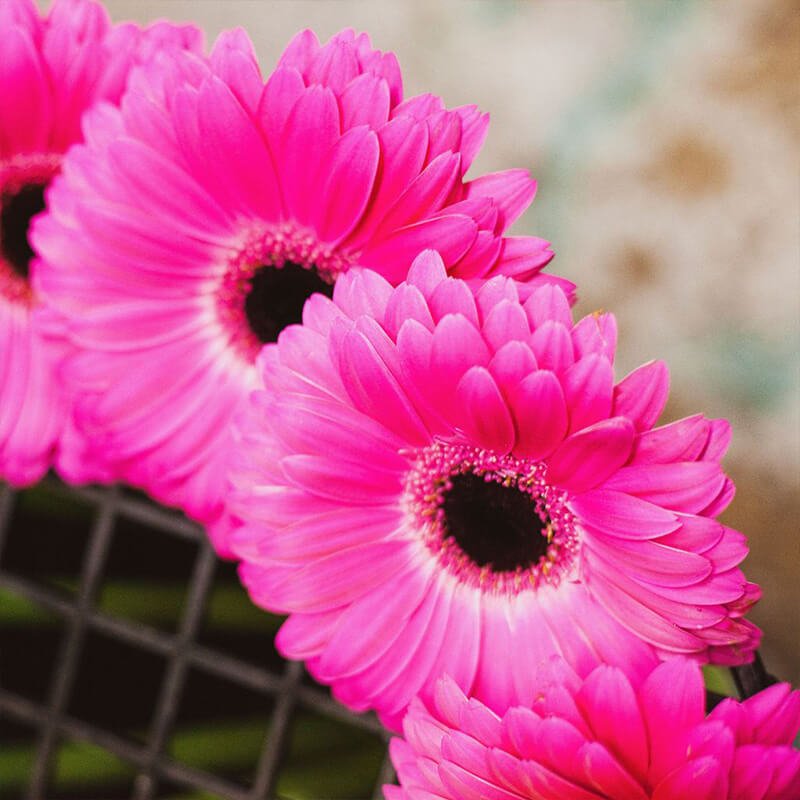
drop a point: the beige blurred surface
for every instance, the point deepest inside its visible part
(665, 139)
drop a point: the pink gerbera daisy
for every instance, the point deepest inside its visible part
(52, 69)
(194, 223)
(607, 737)
(437, 481)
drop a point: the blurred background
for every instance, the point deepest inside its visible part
(664, 136)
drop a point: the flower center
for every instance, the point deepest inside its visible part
(16, 212)
(267, 282)
(277, 295)
(23, 180)
(491, 521)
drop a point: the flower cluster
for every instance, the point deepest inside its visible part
(276, 189)
(282, 306)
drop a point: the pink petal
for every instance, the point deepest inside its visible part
(700, 779)
(683, 486)
(280, 94)
(697, 619)
(540, 413)
(331, 582)
(456, 347)
(406, 668)
(365, 102)
(427, 271)
(606, 774)
(316, 536)
(588, 386)
(404, 143)
(335, 65)
(697, 534)
(482, 411)
(419, 107)
(375, 391)
(424, 196)
(187, 204)
(513, 362)
(241, 163)
(474, 127)
(494, 291)
(587, 458)
(642, 394)
(774, 714)
(512, 190)
(304, 636)
(234, 61)
(656, 564)
(683, 440)
(451, 235)
(481, 259)
(467, 786)
(730, 549)
(406, 302)
(325, 477)
(637, 617)
(546, 783)
(504, 323)
(361, 292)
(552, 346)
(522, 257)
(25, 94)
(452, 296)
(610, 707)
(672, 700)
(613, 643)
(309, 425)
(300, 51)
(752, 772)
(718, 441)
(548, 304)
(379, 617)
(623, 515)
(352, 166)
(596, 333)
(461, 644)
(444, 134)
(721, 501)
(310, 132)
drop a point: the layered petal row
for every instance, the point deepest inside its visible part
(606, 737)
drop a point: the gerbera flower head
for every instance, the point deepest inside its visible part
(53, 68)
(441, 481)
(190, 228)
(606, 737)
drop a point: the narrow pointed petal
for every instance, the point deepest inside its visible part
(540, 413)
(484, 414)
(587, 458)
(641, 396)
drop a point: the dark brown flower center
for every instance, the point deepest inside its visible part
(276, 297)
(493, 524)
(16, 212)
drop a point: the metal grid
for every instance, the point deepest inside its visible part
(180, 649)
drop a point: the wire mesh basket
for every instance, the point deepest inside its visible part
(132, 665)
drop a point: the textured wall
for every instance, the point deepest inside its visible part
(665, 139)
